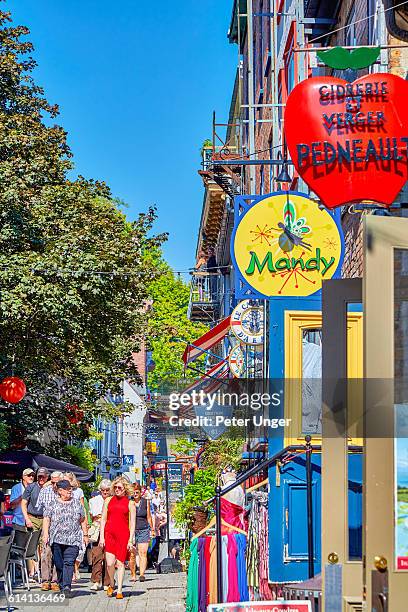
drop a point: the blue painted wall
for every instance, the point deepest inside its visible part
(288, 560)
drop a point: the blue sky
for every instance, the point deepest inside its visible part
(137, 81)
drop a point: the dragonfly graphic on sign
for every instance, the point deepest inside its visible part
(128, 459)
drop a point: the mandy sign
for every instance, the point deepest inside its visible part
(349, 141)
(284, 245)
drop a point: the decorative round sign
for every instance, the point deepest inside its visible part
(349, 141)
(247, 322)
(285, 245)
(236, 361)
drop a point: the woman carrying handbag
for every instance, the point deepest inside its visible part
(99, 573)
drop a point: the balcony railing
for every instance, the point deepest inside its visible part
(206, 295)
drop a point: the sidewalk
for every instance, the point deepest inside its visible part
(160, 593)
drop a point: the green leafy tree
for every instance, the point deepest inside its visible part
(168, 325)
(185, 447)
(74, 272)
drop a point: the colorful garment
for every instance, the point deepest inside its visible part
(192, 578)
(224, 566)
(212, 593)
(232, 514)
(202, 583)
(233, 590)
(207, 556)
(242, 575)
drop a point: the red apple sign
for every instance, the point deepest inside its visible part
(349, 141)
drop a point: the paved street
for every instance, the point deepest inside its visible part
(160, 592)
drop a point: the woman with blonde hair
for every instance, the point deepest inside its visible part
(77, 493)
(118, 531)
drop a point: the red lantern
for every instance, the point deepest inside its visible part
(12, 389)
(348, 141)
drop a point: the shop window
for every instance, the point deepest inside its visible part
(372, 22)
(350, 31)
(290, 67)
(312, 381)
(261, 44)
(280, 97)
(303, 371)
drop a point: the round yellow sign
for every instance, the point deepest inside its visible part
(285, 245)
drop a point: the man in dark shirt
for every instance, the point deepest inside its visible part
(34, 516)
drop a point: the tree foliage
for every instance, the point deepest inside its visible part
(222, 453)
(168, 325)
(184, 447)
(74, 275)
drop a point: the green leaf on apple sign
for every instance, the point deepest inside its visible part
(341, 58)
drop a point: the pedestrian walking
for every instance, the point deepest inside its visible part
(33, 515)
(64, 529)
(16, 498)
(118, 531)
(99, 574)
(77, 493)
(144, 529)
(47, 496)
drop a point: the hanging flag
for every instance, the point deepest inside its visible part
(207, 341)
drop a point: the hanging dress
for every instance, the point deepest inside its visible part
(202, 581)
(233, 590)
(242, 575)
(212, 595)
(192, 578)
(207, 556)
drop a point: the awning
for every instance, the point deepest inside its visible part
(210, 339)
(13, 462)
(218, 371)
(210, 382)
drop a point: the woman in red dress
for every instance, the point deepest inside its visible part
(117, 531)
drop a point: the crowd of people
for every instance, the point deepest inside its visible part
(119, 524)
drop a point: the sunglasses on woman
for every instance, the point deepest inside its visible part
(118, 488)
